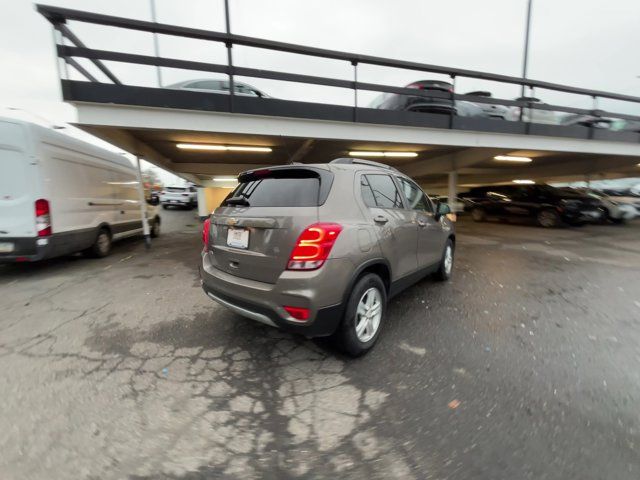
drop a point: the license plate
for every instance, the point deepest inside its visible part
(6, 247)
(238, 238)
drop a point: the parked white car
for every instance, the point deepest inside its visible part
(533, 115)
(617, 209)
(59, 195)
(179, 197)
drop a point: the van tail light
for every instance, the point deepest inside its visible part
(313, 246)
(298, 313)
(205, 232)
(43, 218)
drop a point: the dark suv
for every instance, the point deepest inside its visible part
(319, 249)
(548, 206)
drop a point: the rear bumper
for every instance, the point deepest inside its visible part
(27, 249)
(176, 201)
(264, 302)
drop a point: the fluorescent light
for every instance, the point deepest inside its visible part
(524, 182)
(400, 154)
(510, 158)
(218, 148)
(224, 179)
(366, 154)
(384, 154)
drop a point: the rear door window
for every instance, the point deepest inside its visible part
(380, 191)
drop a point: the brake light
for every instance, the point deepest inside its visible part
(297, 312)
(43, 218)
(205, 232)
(313, 246)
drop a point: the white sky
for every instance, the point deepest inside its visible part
(584, 43)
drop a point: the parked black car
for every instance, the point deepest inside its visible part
(440, 102)
(546, 205)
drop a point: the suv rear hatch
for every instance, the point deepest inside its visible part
(255, 229)
(17, 184)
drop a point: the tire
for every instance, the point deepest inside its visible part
(618, 221)
(102, 246)
(548, 218)
(368, 292)
(446, 263)
(155, 228)
(165, 206)
(478, 215)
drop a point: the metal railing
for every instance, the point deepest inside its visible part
(59, 16)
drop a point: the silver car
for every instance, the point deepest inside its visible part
(218, 86)
(319, 249)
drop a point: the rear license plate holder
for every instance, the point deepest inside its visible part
(7, 247)
(238, 238)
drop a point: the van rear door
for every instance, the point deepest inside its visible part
(253, 233)
(18, 183)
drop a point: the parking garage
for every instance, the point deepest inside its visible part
(523, 366)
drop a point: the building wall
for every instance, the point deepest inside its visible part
(209, 198)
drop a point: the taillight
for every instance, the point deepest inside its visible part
(313, 246)
(205, 231)
(43, 218)
(298, 313)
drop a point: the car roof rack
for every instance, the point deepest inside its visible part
(360, 161)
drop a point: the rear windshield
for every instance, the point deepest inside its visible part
(280, 192)
(282, 187)
(176, 189)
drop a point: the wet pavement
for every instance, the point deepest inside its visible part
(525, 365)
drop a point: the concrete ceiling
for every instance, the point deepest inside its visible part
(475, 165)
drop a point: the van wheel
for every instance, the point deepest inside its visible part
(478, 215)
(446, 263)
(548, 218)
(155, 228)
(363, 317)
(102, 245)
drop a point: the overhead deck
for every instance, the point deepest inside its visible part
(150, 121)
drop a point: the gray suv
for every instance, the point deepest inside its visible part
(319, 249)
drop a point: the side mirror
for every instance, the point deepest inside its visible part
(442, 209)
(153, 201)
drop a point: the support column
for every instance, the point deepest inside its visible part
(143, 207)
(452, 193)
(203, 209)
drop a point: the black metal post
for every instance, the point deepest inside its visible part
(355, 90)
(453, 100)
(156, 46)
(525, 60)
(229, 55)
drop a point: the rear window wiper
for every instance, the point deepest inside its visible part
(237, 201)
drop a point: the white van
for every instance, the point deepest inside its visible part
(59, 195)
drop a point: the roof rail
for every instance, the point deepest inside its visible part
(360, 161)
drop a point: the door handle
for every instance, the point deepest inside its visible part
(380, 219)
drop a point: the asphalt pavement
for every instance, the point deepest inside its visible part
(525, 365)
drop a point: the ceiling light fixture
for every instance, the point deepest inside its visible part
(383, 154)
(224, 179)
(510, 158)
(524, 182)
(219, 148)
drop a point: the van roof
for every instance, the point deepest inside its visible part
(39, 132)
